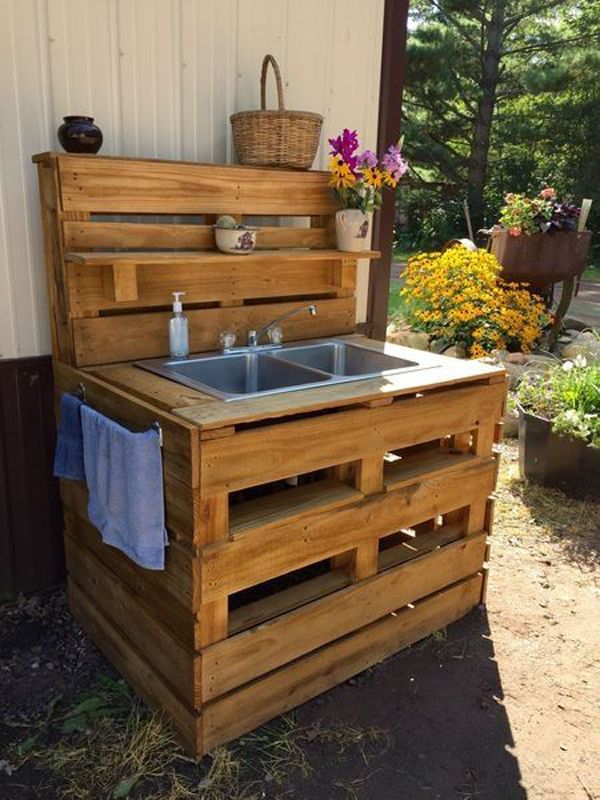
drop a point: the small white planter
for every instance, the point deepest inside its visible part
(238, 241)
(352, 228)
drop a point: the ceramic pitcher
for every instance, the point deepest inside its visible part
(351, 227)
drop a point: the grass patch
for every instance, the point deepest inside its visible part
(396, 303)
(592, 273)
(108, 744)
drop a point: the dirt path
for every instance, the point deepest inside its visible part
(505, 705)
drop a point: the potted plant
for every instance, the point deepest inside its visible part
(357, 179)
(538, 240)
(559, 426)
(232, 237)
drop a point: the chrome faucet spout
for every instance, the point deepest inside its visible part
(254, 337)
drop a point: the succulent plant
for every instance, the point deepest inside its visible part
(227, 222)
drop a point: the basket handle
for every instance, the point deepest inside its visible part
(268, 59)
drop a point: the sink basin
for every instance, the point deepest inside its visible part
(237, 375)
(341, 358)
(254, 372)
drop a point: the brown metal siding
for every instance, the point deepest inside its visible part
(31, 549)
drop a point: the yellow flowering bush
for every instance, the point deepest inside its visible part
(458, 296)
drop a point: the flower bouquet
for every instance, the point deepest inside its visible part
(357, 179)
(539, 240)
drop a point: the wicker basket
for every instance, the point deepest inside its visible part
(276, 138)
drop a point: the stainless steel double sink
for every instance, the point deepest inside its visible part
(254, 372)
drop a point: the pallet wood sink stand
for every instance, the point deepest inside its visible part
(272, 593)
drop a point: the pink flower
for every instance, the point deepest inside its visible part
(548, 193)
(515, 231)
(346, 146)
(393, 162)
(367, 159)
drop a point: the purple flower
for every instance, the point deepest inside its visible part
(393, 162)
(367, 159)
(346, 146)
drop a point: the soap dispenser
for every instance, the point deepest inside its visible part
(178, 329)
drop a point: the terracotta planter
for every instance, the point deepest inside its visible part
(543, 258)
(558, 461)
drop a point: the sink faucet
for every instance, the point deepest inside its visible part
(254, 337)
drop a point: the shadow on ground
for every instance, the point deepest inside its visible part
(441, 703)
(427, 723)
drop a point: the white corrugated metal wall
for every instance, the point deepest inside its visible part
(161, 77)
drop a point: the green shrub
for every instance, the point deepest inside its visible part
(568, 395)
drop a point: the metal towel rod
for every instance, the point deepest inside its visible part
(82, 394)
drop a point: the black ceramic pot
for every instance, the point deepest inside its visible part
(80, 135)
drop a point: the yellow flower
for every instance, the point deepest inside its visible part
(389, 179)
(372, 177)
(458, 295)
(342, 176)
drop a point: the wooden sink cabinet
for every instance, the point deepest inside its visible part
(312, 534)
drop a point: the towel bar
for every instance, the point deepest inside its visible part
(82, 394)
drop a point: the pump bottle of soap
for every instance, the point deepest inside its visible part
(178, 329)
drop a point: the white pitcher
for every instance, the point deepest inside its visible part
(351, 227)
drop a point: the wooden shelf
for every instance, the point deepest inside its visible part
(289, 505)
(428, 464)
(174, 257)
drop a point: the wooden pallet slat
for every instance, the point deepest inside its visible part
(101, 235)
(120, 338)
(290, 448)
(123, 185)
(290, 505)
(278, 692)
(240, 659)
(237, 565)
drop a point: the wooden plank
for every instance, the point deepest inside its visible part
(50, 202)
(290, 505)
(122, 338)
(250, 560)
(274, 605)
(369, 474)
(483, 441)
(413, 546)
(428, 462)
(240, 659)
(172, 258)
(119, 283)
(166, 395)
(168, 593)
(486, 574)
(291, 448)
(120, 185)
(145, 286)
(113, 599)
(146, 236)
(289, 686)
(133, 666)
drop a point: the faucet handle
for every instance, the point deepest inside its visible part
(251, 338)
(227, 339)
(276, 335)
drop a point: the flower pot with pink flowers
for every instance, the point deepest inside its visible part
(540, 240)
(358, 178)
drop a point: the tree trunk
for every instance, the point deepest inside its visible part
(480, 146)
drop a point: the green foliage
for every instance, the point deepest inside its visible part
(546, 117)
(569, 396)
